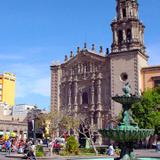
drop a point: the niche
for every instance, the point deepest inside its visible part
(129, 35)
(85, 98)
(120, 36)
(124, 12)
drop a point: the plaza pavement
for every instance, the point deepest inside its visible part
(139, 153)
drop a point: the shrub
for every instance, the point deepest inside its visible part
(86, 150)
(117, 151)
(63, 153)
(39, 154)
(39, 151)
(102, 150)
(72, 145)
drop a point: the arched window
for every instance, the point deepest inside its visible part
(124, 12)
(120, 36)
(129, 35)
(85, 98)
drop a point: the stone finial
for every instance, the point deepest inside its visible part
(107, 51)
(66, 58)
(101, 50)
(78, 49)
(93, 47)
(71, 54)
(85, 45)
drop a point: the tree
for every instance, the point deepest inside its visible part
(51, 121)
(87, 130)
(65, 121)
(147, 112)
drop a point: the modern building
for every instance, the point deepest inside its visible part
(21, 110)
(7, 88)
(86, 81)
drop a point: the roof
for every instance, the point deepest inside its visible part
(86, 52)
(157, 67)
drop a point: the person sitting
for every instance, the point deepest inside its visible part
(31, 154)
(111, 150)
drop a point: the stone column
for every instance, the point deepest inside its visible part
(115, 38)
(79, 68)
(92, 96)
(69, 96)
(75, 94)
(80, 96)
(91, 68)
(120, 13)
(124, 35)
(99, 100)
(92, 108)
(82, 69)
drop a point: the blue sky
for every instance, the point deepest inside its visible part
(34, 33)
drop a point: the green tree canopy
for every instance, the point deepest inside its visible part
(147, 112)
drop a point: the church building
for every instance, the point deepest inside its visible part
(86, 81)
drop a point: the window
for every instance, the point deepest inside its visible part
(129, 35)
(157, 83)
(85, 98)
(120, 36)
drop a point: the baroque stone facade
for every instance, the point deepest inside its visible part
(85, 82)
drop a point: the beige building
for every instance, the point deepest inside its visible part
(86, 81)
(10, 123)
(150, 77)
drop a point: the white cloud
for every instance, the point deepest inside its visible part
(31, 79)
(42, 86)
(31, 67)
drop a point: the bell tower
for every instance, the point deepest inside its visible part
(128, 30)
(128, 55)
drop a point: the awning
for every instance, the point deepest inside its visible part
(1, 133)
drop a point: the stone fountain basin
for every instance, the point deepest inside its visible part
(126, 135)
(126, 100)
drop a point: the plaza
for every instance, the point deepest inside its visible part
(104, 102)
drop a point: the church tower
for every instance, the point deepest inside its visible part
(128, 30)
(128, 54)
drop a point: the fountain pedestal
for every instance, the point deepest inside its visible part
(127, 132)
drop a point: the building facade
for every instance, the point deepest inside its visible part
(85, 82)
(150, 77)
(8, 126)
(10, 122)
(7, 88)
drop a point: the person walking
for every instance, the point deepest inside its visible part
(8, 146)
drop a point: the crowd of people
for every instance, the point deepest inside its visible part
(28, 147)
(13, 144)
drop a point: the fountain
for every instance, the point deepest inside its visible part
(127, 132)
